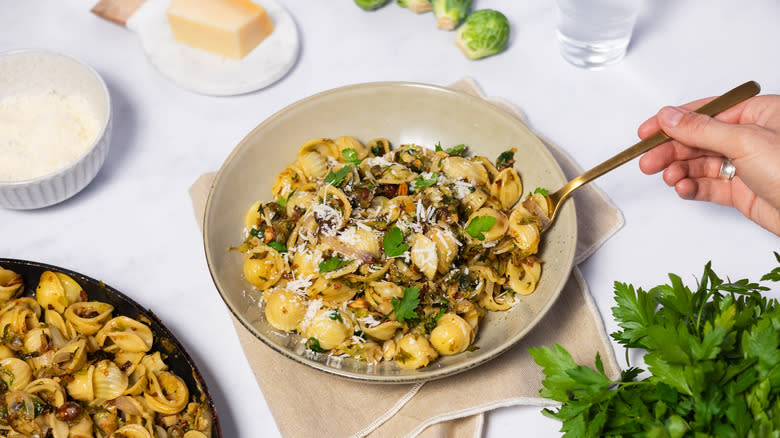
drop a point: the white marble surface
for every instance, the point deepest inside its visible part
(133, 227)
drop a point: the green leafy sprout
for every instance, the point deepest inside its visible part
(418, 6)
(333, 263)
(484, 33)
(370, 5)
(449, 13)
(713, 356)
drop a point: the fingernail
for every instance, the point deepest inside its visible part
(670, 116)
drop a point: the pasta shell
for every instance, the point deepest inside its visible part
(110, 382)
(71, 357)
(82, 428)
(125, 334)
(495, 299)
(284, 309)
(425, 256)
(414, 351)
(524, 276)
(305, 263)
(491, 169)
(252, 216)
(291, 178)
(499, 227)
(447, 247)
(300, 200)
(507, 188)
(154, 363)
(347, 142)
(313, 164)
(334, 198)
(470, 313)
(11, 284)
(472, 201)
(459, 168)
(332, 292)
(323, 146)
(131, 431)
(361, 240)
(379, 295)
(88, 317)
(378, 146)
(56, 427)
(451, 335)
(6, 352)
(80, 387)
(167, 394)
(47, 390)
(15, 373)
(137, 381)
(396, 174)
(128, 361)
(383, 331)
(263, 267)
(330, 327)
(56, 321)
(37, 341)
(194, 434)
(524, 230)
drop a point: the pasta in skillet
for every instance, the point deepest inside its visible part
(69, 368)
(392, 254)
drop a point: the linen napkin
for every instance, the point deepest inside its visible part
(306, 402)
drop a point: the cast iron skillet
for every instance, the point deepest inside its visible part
(177, 358)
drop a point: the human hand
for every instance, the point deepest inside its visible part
(748, 134)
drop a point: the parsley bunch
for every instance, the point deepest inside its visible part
(713, 354)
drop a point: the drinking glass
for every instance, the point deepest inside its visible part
(595, 33)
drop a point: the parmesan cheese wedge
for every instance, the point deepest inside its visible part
(230, 28)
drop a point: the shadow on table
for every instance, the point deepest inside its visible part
(227, 423)
(652, 19)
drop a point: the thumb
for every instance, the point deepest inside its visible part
(704, 132)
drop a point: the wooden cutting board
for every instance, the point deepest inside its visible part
(198, 70)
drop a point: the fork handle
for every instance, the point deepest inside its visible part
(720, 103)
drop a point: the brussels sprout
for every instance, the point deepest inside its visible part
(418, 6)
(449, 13)
(484, 33)
(370, 5)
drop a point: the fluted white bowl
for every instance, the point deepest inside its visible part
(37, 70)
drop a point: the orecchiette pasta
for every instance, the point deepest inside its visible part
(70, 370)
(392, 254)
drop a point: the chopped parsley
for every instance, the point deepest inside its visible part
(337, 178)
(478, 225)
(282, 202)
(456, 150)
(393, 242)
(336, 316)
(350, 156)
(313, 344)
(506, 159)
(333, 263)
(278, 246)
(541, 191)
(404, 308)
(421, 183)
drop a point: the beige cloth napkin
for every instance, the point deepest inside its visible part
(306, 402)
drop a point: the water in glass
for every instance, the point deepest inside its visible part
(595, 33)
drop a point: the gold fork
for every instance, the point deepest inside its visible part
(727, 100)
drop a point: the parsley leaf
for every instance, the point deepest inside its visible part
(350, 156)
(541, 191)
(404, 308)
(455, 150)
(333, 263)
(278, 246)
(393, 242)
(337, 178)
(313, 344)
(421, 183)
(282, 202)
(478, 225)
(336, 316)
(713, 354)
(506, 159)
(438, 147)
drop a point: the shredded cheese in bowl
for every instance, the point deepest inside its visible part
(43, 132)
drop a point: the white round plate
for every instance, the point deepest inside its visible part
(207, 73)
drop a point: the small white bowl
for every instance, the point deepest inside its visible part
(36, 71)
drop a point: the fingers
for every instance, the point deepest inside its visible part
(662, 156)
(704, 167)
(705, 189)
(730, 115)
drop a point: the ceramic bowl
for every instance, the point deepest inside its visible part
(31, 72)
(403, 113)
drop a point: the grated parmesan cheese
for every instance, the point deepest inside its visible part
(42, 133)
(311, 312)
